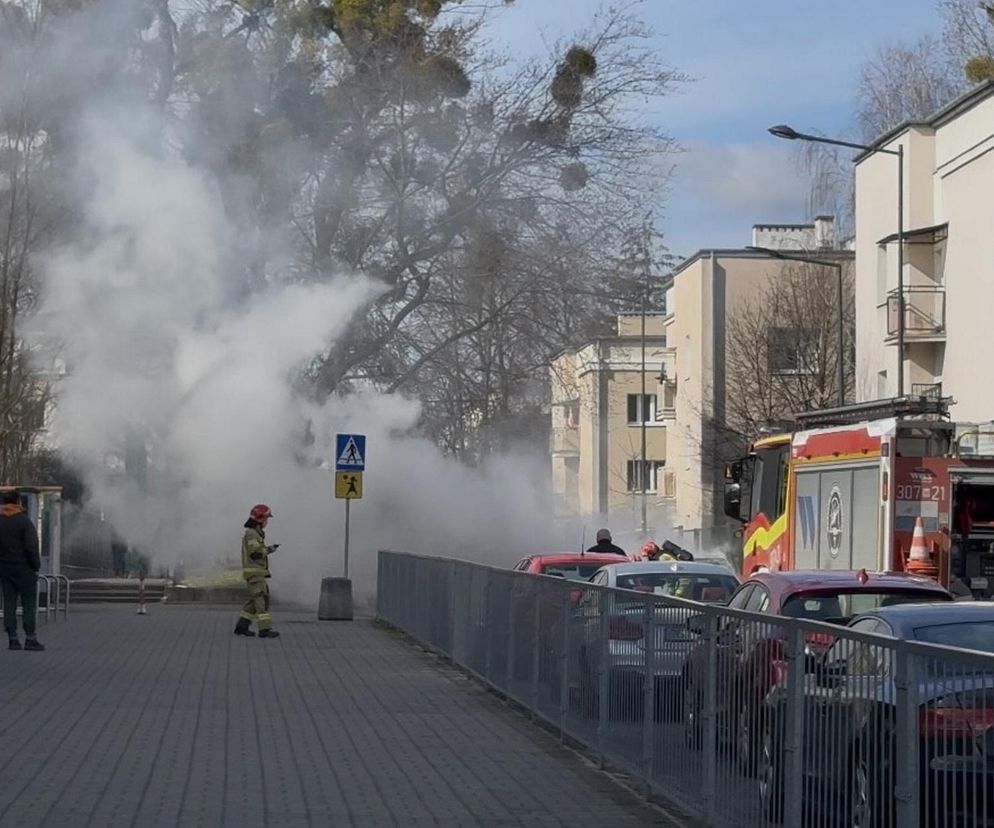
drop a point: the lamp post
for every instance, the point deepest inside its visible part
(789, 134)
(777, 254)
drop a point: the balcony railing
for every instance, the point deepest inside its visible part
(927, 390)
(924, 312)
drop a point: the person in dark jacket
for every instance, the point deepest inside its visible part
(19, 565)
(605, 545)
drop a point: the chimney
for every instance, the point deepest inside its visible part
(825, 232)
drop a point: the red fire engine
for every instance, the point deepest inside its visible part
(845, 489)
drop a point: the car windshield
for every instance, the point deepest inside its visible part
(572, 572)
(712, 589)
(971, 635)
(845, 605)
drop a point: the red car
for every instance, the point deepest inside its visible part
(575, 566)
(751, 656)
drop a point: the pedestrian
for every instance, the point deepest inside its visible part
(605, 545)
(19, 565)
(255, 570)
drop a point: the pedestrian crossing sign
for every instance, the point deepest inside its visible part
(348, 485)
(350, 452)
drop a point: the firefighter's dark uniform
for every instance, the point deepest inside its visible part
(255, 570)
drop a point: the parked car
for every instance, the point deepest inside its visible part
(625, 651)
(575, 566)
(850, 711)
(751, 655)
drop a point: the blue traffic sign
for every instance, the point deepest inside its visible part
(350, 452)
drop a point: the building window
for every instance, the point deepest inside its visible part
(881, 384)
(881, 273)
(647, 471)
(572, 414)
(669, 396)
(792, 351)
(669, 484)
(641, 408)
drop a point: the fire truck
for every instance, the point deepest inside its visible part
(846, 488)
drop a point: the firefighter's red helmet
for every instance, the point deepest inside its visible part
(650, 549)
(261, 512)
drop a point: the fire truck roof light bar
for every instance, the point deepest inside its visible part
(900, 407)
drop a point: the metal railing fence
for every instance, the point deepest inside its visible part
(739, 718)
(52, 596)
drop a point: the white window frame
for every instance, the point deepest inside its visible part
(640, 407)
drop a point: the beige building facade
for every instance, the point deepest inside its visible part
(708, 292)
(948, 258)
(597, 412)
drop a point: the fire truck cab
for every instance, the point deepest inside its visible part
(846, 488)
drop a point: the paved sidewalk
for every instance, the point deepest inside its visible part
(170, 720)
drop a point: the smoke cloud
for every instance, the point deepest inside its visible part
(146, 300)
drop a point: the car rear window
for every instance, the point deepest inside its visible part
(572, 572)
(708, 588)
(841, 606)
(971, 635)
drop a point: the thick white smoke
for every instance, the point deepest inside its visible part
(161, 340)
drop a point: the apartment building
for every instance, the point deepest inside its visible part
(948, 258)
(692, 395)
(599, 414)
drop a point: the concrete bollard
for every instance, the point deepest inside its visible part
(336, 600)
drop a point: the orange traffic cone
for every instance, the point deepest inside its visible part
(919, 561)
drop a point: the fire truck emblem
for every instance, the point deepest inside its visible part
(834, 525)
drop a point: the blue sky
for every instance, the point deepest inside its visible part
(756, 63)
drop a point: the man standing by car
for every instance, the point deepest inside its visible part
(604, 544)
(255, 570)
(19, 565)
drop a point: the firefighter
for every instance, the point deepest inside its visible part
(255, 570)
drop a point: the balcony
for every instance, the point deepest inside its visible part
(924, 314)
(565, 441)
(931, 391)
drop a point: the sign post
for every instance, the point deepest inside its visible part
(350, 463)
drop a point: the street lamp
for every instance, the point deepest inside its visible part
(777, 254)
(790, 134)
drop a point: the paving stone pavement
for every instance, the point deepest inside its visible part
(170, 720)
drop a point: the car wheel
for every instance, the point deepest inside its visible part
(746, 734)
(770, 773)
(870, 789)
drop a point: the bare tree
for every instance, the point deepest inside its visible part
(901, 81)
(782, 351)
(968, 37)
(904, 82)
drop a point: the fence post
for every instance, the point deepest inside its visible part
(536, 645)
(488, 627)
(709, 718)
(509, 664)
(903, 746)
(453, 619)
(648, 694)
(793, 735)
(603, 679)
(564, 667)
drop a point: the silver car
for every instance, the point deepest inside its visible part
(623, 654)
